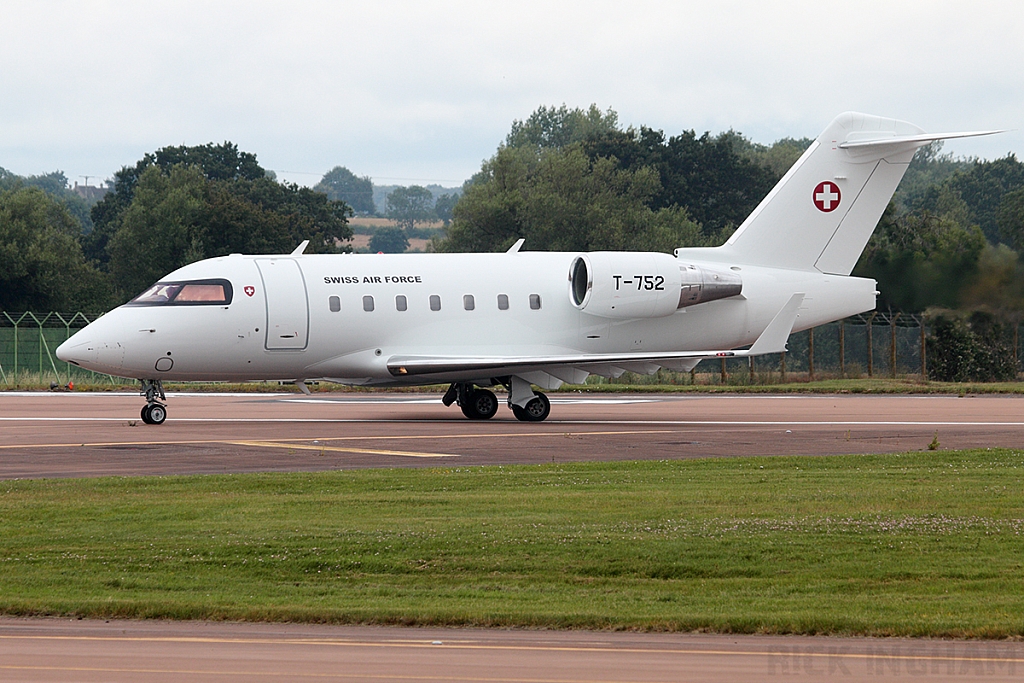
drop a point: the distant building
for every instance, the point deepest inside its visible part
(89, 193)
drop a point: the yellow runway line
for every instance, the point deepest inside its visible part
(338, 449)
(193, 442)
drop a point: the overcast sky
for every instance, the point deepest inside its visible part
(419, 92)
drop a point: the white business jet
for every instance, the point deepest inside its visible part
(520, 319)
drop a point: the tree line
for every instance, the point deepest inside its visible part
(175, 206)
(564, 179)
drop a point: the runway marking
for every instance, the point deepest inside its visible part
(469, 645)
(368, 437)
(339, 449)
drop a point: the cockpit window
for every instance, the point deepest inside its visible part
(188, 293)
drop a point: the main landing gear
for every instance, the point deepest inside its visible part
(154, 412)
(481, 404)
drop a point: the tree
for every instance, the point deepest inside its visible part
(41, 263)
(971, 347)
(160, 230)
(554, 128)
(389, 241)
(56, 185)
(180, 216)
(411, 205)
(213, 201)
(340, 184)
(1010, 218)
(982, 187)
(443, 207)
(216, 162)
(923, 259)
(558, 199)
(705, 175)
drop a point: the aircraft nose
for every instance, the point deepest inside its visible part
(88, 349)
(76, 351)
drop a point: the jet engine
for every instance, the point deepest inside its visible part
(643, 284)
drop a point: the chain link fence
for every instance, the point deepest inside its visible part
(27, 344)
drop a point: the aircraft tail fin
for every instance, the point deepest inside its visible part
(823, 211)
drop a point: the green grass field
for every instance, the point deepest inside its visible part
(928, 543)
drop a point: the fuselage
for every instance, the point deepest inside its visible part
(341, 317)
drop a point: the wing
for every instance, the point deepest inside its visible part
(574, 368)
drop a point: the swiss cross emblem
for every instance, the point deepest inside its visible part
(249, 290)
(826, 196)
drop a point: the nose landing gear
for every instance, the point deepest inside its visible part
(154, 412)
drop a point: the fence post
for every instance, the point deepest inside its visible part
(842, 349)
(725, 376)
(924, 366)
(871, 353)
(892, 344)
(810, 354)
(782, 366)
(1016, 341)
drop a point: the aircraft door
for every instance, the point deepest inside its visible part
(287, 304)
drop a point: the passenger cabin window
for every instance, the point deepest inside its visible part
(435, 302)
(468, 302)
(367, 303)
(189, 293)
(535, 302)
(335, 303)
(503, 302)
(401, 303)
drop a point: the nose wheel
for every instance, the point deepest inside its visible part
(154, 412)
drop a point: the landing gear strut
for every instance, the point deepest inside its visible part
(476, 403)
(526, 404)
(154, 412)
(537, 410)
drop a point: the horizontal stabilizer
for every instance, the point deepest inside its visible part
(915, 139)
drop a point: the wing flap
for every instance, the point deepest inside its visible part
(772, 340)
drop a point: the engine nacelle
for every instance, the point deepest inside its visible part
(615, 284)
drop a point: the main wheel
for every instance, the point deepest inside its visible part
(536, 410)
(157, 414)
(145, 414)
(481, 404)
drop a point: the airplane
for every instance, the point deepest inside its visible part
(520, 319)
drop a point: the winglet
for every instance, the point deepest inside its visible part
(514, 249)
(301, 248)
(774, 337)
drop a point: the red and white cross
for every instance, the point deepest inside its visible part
(827, 196)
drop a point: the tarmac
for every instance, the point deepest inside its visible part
(100, 434)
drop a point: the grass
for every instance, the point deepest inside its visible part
(919, 544)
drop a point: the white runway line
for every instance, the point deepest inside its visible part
(682, 423)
